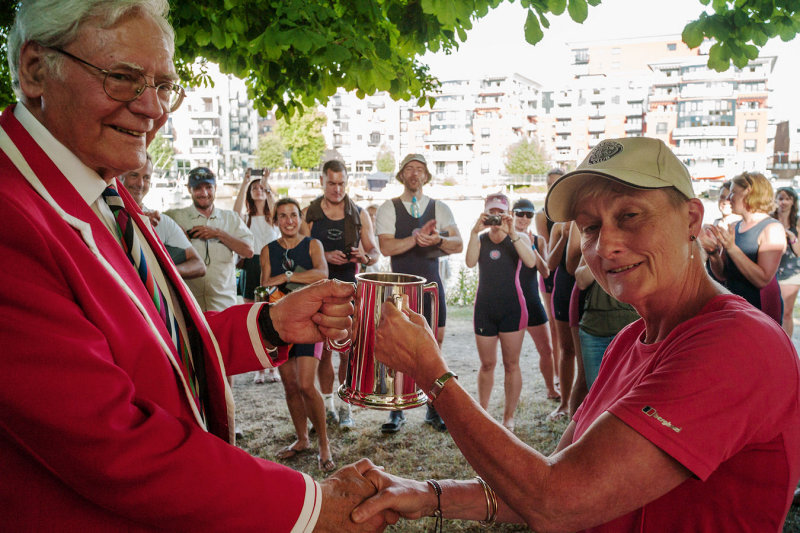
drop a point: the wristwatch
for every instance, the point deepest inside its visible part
(438, 385)
(288, 274)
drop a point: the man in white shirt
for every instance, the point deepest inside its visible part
(188, 263)
(217, 234)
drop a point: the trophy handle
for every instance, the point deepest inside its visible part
(433, 289)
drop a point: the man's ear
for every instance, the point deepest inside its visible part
(33, 70)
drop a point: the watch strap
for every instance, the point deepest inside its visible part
(438, 385)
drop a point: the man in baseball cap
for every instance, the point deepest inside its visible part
(639, 162)
(200, 175)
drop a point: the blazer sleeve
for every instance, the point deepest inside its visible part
(89, 406)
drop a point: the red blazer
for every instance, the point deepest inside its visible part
(96, 431)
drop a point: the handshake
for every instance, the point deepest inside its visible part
(362, 497)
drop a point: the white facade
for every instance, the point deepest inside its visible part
(215, 127)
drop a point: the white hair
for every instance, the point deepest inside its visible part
(56, 23)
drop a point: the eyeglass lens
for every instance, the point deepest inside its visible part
(526, 214)
(129, 85)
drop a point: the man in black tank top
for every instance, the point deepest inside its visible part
(345, 231)
(415, 231)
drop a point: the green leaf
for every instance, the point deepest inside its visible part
(202, 37)
(705, 2)
(693, 34)
(594, 2)
(578, 10)
(719, 6)
(750, 51)
(533, 32)
(556, 7)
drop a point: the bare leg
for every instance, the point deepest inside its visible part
(510, 346)
(547, 299)
(579, 389)
(544, 346)
(566, 367)
(789, 295)
(312, 400)
(294, 401)
(487, 352)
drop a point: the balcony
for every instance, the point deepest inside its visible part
(701, 91)
(597, 126)
(705, 132)
(204, 132)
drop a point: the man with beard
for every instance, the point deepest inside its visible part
(345, 231)
(217, 235)
(414, 231)
(188, 263)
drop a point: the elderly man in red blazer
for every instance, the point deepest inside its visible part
(114, 409)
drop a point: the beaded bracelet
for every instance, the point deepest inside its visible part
(437, 526)
(491, 503)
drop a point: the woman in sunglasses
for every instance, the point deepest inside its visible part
(287, 263)
(745, 256)
(538, 328)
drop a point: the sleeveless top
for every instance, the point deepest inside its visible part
(414, 261)
(768, 299)
(331, 233)
(498, 275)
(528, 277)
(300, 255)
(790, 263)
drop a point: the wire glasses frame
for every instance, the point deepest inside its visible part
(125, 85)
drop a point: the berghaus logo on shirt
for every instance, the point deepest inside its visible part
(649, 411)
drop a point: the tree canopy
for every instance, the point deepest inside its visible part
(302, 136)
(525, 157)
(296, 53)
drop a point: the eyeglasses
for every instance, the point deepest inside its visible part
(288, 262)
(126, 85)
(526, 214)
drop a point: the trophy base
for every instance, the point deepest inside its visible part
(382, 402)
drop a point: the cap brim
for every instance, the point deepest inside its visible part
(560, 200)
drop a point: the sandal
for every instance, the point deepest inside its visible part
(290, 452)
(326, 466)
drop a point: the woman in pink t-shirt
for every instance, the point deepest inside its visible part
(693, 423)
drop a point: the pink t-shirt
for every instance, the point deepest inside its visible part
(721, 396)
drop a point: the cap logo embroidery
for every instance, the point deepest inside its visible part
(604, 151)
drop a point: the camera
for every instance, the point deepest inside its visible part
(493, 220)
(256, 172)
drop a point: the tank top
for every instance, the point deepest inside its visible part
(331, 234)
(790, 263)
(768, 298)
(300, 255)
(498, 275)
(414, 261)
(528, 277)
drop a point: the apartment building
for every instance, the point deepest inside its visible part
(215, 127)
(360, 129)
(717, 122)
(472, 124)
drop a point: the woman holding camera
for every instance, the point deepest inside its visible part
(254, 204)
(500, 309)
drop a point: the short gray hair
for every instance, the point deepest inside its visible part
(56, 23)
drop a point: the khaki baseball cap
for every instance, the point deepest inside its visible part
(638, 162)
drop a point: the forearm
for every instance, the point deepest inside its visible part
(518, 475)
(523, 247)
(237, 246)
(307, 277)
(473, 250)
(752, 271)
(466, 500)
(452, 244)
(392, 246)
(193, 267)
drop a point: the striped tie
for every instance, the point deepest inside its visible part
(133, 248)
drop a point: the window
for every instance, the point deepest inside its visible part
(672, 47)
(374, 138)
(440, 167)
(661, 128)
(751, 126)
(749, 145)
(484, 132)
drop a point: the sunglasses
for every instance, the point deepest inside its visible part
(288, 262)
(526, 214)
